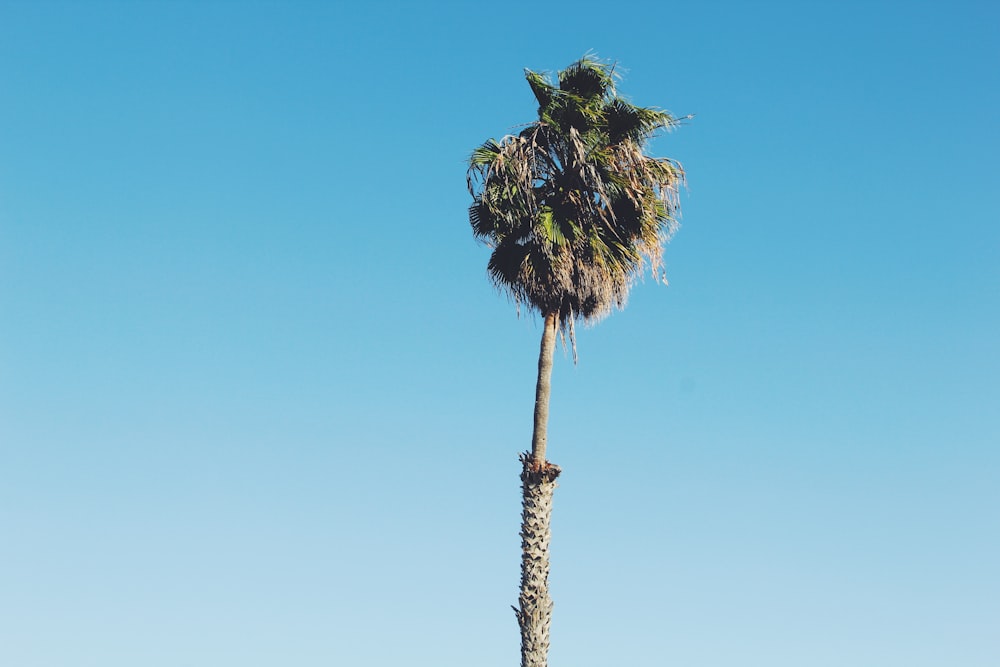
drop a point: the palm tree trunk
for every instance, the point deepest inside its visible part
(538, 482)
(543, 388)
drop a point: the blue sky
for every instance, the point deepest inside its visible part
(259, 404)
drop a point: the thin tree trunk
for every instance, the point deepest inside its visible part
(538, 482)
(543, 388)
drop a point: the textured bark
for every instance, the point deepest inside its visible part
(534, 612)
(538, 482)
(543, 388)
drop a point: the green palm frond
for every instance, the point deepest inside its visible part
(485, 225)
(588, 78)
(548, 229)
(485, 155)
(627, 122)
(506, 267)
(542, 89)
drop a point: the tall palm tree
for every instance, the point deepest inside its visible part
(574, 212)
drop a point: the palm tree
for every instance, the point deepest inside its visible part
(574, 213)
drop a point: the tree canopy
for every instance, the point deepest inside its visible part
(571, 206)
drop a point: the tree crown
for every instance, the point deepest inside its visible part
(572, 207)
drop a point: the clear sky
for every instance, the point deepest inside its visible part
(259, 404)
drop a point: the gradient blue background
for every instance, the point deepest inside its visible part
(259, 404)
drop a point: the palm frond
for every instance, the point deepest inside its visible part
(627, 122)
(485, 155)
(587, 78)
(543, 90)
